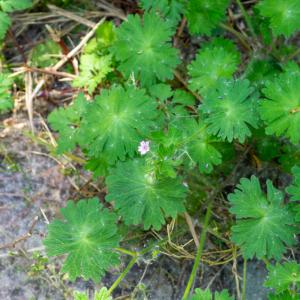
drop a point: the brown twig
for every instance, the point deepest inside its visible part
(67, 57)
(183, 82)
(47, 71)
(23, 237)
(71, 16)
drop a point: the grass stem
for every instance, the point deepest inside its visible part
(199, 253)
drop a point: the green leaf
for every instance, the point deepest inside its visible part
(144, 49)
(261, 26)
(228, 45)
(103, 294)
(161, 91)
(230, 110)
(264, 223)
(201, 147)
(105, 37)
(105, 34)
(267, 147)
(289, 157)
(117, 121)
(88, 235)
(5, 23)
(98, 165)
(80, 296)
(12, 5)
(294, 189)
(6, 101)
(188, 138)
(66, 121)
(171, 10)
(283, 296)
(284, 15)
(284, 276)
(184, 98)
(201, 295)
(204, 16)
(212, 63)
(258, 71)
(93, 69)
(280, 109)
(143, 198)
(207, 295)
(46, 54)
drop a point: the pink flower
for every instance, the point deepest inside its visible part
(144, 147)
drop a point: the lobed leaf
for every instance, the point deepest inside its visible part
(282, 277)
(230, 110)
(143, 198)
(294, 189)
(216, 60)
(264, 224)
(67, 121)
(143, 48)
(88, 235)
(12, 5)
(116, 122)
(201, 147)
(284, 15)
(280, 109)
(204, 16)
(93, 69)
(171, 10)
(208, 295)
(283, 296)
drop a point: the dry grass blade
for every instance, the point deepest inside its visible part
(29, 98)
(70, 15)
(67, 57)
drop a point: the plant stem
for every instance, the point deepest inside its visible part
(236, 34)
(247, 18)
(128, 252)
(244, 280)
(293, 55)
(199, 253)
(123, 274)
(266, 261)
(135, 256)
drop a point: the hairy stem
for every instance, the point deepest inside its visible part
(199, 252)
(128, 252)
(123, 274)
(238, 35)
(135, 256)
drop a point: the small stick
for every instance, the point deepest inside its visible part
(23, 237)
(71, 16)
(184, 83)
(29, 98)
(67, 57)
(45, 71)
